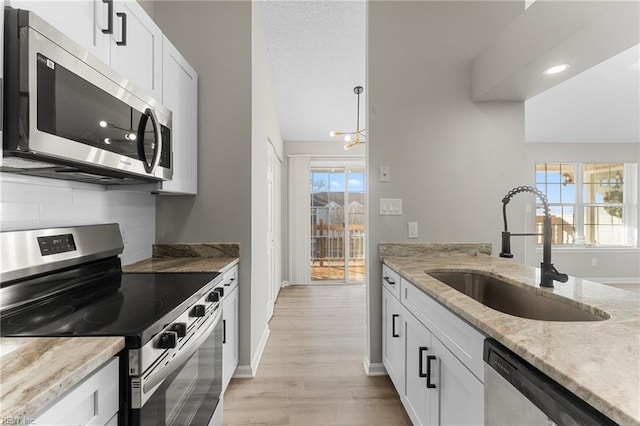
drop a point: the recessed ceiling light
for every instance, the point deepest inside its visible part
(556, 69)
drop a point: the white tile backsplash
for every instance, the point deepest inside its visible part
(29, 202)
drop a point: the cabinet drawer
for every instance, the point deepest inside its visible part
(92, 402)
(230, 279)
(391, 281)
(462, 339)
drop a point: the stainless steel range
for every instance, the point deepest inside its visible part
(69, 282)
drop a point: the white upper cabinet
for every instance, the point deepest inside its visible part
(81, 21)
(118, 32)
(136, 47)
(180, 95)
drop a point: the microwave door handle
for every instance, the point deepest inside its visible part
(182, 357)
(157, 131)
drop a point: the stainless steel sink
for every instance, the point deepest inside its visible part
(505, 297)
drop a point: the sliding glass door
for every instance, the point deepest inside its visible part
(338, 224)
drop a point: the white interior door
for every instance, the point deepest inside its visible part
(270, 231)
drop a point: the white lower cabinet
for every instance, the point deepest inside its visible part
(230, 356)
(437, 382)
(420, 401)
(394, 338)
(94, 401)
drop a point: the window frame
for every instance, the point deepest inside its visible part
(629, 206)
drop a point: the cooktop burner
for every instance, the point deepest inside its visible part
(135, 306)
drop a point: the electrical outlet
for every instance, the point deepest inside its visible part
(124, 235)
(594, 261)
(385, 174)
(412, 229)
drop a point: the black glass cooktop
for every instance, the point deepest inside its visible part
(135, 306)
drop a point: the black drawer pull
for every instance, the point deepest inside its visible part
(421, 350)
(429, 359)
(389, 280)
(109, 29)
(123, 18)
(393, 325)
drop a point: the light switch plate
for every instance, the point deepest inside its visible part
(391, 206)
(385, 173)
(412, 229)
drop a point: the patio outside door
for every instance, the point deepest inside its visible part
(338, 224)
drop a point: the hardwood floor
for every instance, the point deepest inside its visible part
(311, 371)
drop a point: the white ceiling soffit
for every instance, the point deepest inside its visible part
(317, 54)
(581, 33)
(601, 104)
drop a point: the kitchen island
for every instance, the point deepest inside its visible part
(598, 361)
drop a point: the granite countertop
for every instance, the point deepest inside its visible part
(36, 371)
(181, 258)
(598, 361)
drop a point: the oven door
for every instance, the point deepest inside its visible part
(189, 390)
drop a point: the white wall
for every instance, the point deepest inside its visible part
(265, 129)
(29, 202)
(223, 41)
(453, 160)
(215, 38)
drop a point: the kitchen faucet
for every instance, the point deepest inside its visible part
(548, 272)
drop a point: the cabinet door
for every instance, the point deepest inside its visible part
(80, 20)
(92, 402)
(230, 342)
(136, 47)
(180, 95)
(393, 338)
(420, 401)
(457, 387)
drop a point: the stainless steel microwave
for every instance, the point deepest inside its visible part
(69, 116)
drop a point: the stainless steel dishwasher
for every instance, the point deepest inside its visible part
(516, 393)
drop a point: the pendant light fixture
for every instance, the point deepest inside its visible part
(353, 138)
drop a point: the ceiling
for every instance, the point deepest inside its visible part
(317, 51)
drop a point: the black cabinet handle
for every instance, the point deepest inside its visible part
(224, 331)
(429, 359)
(229, 283)
(389, 280)
(393, 325)
(109, 29)
(123, 19)
(421, 350)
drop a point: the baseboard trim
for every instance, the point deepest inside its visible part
(249, 371)
(243, 372)
(373, 369)
(255, 362)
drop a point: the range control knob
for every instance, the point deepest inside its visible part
(220, 291)
(168, 340)
(214, 296)
(198, 311)
(180, 328)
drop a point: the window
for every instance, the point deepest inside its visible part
(590, 203)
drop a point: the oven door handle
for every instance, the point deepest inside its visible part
(182, 357)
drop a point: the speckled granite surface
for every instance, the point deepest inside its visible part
(420, 249)
(36, 371)
(197, 250)
(598, 361)
(177, 258)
